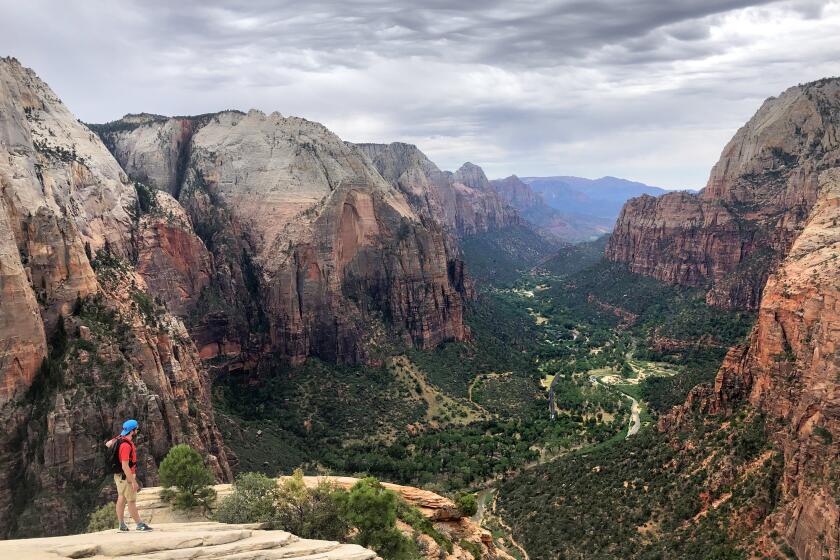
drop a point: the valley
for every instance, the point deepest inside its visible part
(278, 298)
(477, 415)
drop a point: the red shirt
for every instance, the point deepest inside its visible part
(128, 453)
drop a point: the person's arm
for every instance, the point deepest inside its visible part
(129, 476)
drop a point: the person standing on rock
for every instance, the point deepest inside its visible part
(124, 466)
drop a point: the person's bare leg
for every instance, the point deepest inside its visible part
(121, 509)
(135, 515)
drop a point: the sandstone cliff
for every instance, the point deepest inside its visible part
(463, 201)
(765, 234)
(313, 249)
(440, 510)
(759, 195)
(83, 342)
(790, 370)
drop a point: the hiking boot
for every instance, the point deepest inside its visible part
(123, 528)
(143, 527)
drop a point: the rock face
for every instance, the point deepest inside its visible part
(185, 540)
(82, 343)
(533, 208)
(172, 260)
(463, 201)
(789, 369)
(440, 510)
(759, 195)
(305, 226)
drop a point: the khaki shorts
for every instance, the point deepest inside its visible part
(125, 489)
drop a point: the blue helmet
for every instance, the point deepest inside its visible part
(128, 427)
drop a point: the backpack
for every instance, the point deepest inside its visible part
(116, 464)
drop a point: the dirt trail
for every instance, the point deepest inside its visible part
(507, 528)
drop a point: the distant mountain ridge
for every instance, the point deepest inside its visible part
(601, 198)
(570, 208)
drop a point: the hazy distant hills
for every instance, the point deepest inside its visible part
(601, 198)
(571, 208)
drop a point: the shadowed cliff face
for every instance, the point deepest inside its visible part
(83, 345)
(759, 195)
(313, 249)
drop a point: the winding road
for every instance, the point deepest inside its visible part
(635, 408)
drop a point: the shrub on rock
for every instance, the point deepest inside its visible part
(186, 480)
(103, 518)
(253, 500)
(311, 513)
(372, 509)
(467, 504)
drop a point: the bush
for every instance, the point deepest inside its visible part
(310, 513)
(372, 509)
(103, 518)
(467, 504)
(254, 500)
(315, 513)
(183, 469)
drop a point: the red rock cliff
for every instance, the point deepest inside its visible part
(66, 206)
(728, 237)
(325, 245)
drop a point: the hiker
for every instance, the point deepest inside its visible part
(124, 466)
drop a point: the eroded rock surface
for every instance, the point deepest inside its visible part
(182, 541)
(305, 226)
(790, 370)
(83, 344)
(758, 198)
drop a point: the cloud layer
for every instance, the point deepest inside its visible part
(646, 89)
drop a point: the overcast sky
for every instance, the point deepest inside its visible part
(649, 90)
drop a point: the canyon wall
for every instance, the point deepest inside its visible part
(789, 368)
(313, 249)
(734, 232)
(83, 343)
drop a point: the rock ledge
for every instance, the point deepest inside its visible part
(182, 541)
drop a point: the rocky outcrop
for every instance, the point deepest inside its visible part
(171, 258)
(765, 233)
(440, 510)
(790, 370)
(185, 540)
(759, 195)
(462, 201)
(305, 226)
(82, 342)
(533, 209)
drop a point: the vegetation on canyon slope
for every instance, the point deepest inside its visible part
(466, 415)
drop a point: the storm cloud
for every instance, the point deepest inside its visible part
(645, 89)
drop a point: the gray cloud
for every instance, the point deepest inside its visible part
(648, 89)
